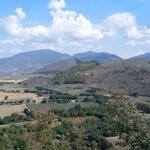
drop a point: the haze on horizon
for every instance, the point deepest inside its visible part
(120, 28)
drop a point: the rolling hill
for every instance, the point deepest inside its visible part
(75, 60)
(127, 77)
(42, 60)
(30, 61)
(63, 65)
(146, 55)
(124, 77)
(57, 67)
(101, 57)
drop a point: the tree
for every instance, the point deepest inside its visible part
(44, 133)
(14, 138)
(6, 97)
(130, 125)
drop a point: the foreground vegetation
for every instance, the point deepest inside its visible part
(108, 119)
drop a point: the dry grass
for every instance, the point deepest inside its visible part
(78, 120)
(7, 110)
(19, 96)
(27, 123)
(115, 142)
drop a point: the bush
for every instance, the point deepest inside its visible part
(14, 118)
(144, 107)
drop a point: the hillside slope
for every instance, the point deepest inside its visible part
(126, 77)
(63, 65)
(143, 56)
(30, 61)
(101, 57)
(120, 77)
(57, 67)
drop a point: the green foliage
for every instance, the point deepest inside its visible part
(14, 138)
(80, 111)
(134, 94)
(80, 139)
(144, 107)
(130, 125)
(28, 113)
(54, 96)
(87, 66)
(109, 118)
(61, 97)
(68, 78)
(14, 118)
(115, 119)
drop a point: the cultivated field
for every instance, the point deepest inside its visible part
(19, 96)
(7, 110)
(37, 108)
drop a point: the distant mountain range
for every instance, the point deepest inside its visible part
(30, 61)
(143, 56)
(101, 57)
(51, 61)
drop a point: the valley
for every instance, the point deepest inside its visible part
(83, 95)
(74, 75)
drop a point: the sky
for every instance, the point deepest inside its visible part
(74, 26)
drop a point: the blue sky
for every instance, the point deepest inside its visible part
(72, 26)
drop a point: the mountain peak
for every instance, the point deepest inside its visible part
(101, 57)
(142, 56)
(30, 61)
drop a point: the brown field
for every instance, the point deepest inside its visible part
(78, 120)
(28, 123)
(19, 96)
(115, 142)
(7, 110)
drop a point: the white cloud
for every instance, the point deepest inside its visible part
(20, 13)
(75, 26)
(134, 33)
(147, 42)
(126, 22)
(67, 26)
(121, 20)
(131, 43)
(9, 41)
(11, 24)
(57, 4)
(70, 31)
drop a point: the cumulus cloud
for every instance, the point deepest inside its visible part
(121, 20)
(71, 31)
(66, 26)
(57, 4)
(134, 33)
(72, 24)
(125, 24)
(20, 13)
